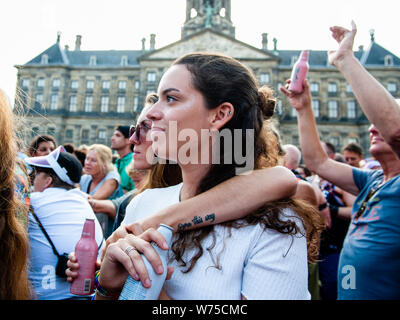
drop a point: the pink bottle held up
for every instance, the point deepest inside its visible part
(299, 73)
(86, 255)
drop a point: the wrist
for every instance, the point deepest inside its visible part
(344, 60)
(103, 293)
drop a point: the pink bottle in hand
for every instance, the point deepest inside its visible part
(299, 73)
(86, 255)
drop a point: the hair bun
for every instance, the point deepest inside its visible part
(266, 102)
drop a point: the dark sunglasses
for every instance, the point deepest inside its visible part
(139, 132)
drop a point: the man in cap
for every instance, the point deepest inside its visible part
(120, 143)
(59, 211)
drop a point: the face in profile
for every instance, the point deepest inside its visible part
(180, 107)
(378, 146)
(44, 148)
(143, 154)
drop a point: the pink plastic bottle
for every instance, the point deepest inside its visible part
(86, 254)
(299, 73)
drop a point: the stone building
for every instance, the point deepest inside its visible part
(78, 96)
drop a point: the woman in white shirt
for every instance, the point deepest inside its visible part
(262, 256)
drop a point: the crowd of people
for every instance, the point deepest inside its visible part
(307, 222)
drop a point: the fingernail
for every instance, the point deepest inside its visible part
(165, 245)
(147, 283)
(136, 277)
(160, 269)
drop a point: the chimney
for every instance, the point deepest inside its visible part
(78, 43)
(58, 36)
(372, 35)
(265, 41)
(144, 44)
(66, 47)
(152, 41)
(275, 44)
(361, 48)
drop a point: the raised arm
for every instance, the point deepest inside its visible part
(377, 103)
(314, 155)
(230, 200)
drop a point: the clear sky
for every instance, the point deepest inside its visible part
(28, 27)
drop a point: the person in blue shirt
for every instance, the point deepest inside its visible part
(370, 259)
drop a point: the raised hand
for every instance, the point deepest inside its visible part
(345, 39)
(299, 101)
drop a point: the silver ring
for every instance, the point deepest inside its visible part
(129, 249)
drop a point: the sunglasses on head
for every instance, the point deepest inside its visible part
(139, 132)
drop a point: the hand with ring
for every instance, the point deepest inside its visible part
(124, 257)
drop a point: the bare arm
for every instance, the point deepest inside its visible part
(106, 190)
(103, 206)
(314, 155)
(377, 103)
(230, 200)
(345, 212)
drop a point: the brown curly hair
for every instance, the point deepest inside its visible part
(223, 79)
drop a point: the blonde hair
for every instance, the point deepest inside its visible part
(104, 157)
(14, 243)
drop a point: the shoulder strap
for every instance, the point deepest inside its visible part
(45, 233)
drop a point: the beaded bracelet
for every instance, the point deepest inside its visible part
(101, 291)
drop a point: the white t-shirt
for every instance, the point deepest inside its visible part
(256, 263)
(63, 214)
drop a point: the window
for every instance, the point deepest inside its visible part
(74, 84)
(105, 85)
(135, 103)
(92, 61)
(124, 60)
(315, 107)
(90, 84)
(332, 87)
(349, 89)
(122, 85)
(333, 109)
(51, 131)
(35, 131)
(69, 134)
(102, 134)
(137, 85)
(25, 83)
(44, 59)
(39, 100)
(279, 85)
(334, 141)
(73, 103)
(40, 83)
(151, 77)
(54, 101)
(388, 60)
(56, 83)
(392, 87)
(353, 140)
(85, 134)
(104, 103)
(351, 109)
(121, 105)
(294, 60)
(264, 78)
(88, 104)
(294, 112)
(314, 87)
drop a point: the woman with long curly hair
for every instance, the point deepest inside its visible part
(261, 256)
(14, 245)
